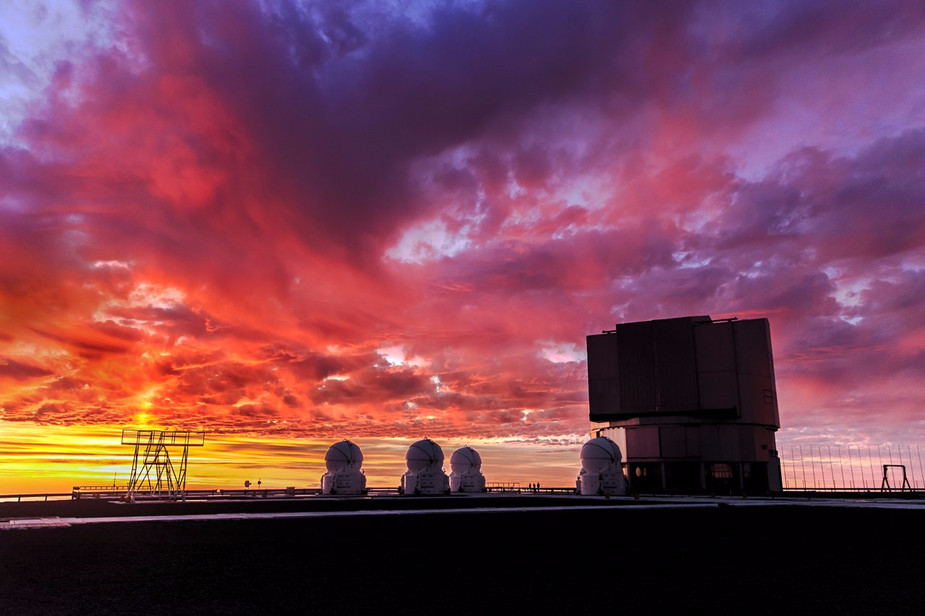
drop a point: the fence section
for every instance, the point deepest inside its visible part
(860, 468)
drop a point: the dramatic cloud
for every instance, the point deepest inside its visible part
(340, 219)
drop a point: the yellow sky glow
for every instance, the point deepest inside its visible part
(46, 458)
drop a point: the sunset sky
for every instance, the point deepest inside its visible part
(290, 223)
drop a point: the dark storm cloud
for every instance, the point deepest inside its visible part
(334, 117)
(10, 368)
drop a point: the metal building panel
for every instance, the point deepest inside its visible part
(749, 446)
(767, 445)
(642, 442)
(694, 446)
(603, 376)
(759, 400)
(753, 347)
(602, 356)
(719, 390)
(603, 399)
(636, 365)
(676, 376)
(710, 445)
(757, 390)
(757, 445)
(671, 441)
(720, 442)
(715, 347)
(679, 441)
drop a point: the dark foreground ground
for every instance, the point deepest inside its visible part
(621, 558)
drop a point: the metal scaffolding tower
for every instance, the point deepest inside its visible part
(152, 469)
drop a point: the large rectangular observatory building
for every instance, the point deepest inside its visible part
(691, 401)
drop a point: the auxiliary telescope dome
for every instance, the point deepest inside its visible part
(601, 468)
(465, 459)
(600, 454)
(466, 475)
(425, 470)
(343, 455)
(424, 454)
(343, 461)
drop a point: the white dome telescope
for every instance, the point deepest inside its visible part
(424, 454)
(465, 459)
(466, 475)
(601, 468)
(343, 455)
(600, 454)
(425, 470)
(343, 461)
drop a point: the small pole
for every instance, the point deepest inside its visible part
(812, 465)
(802, 466)
(851, 469)
(841, 466)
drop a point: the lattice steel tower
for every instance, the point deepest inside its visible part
(152, 469)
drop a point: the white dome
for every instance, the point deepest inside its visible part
(465, 459)
(424, 454)
(600, 454)
(341, 455)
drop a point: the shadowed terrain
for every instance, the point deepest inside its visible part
(722, 559)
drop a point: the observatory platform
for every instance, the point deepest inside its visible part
(531, 555)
